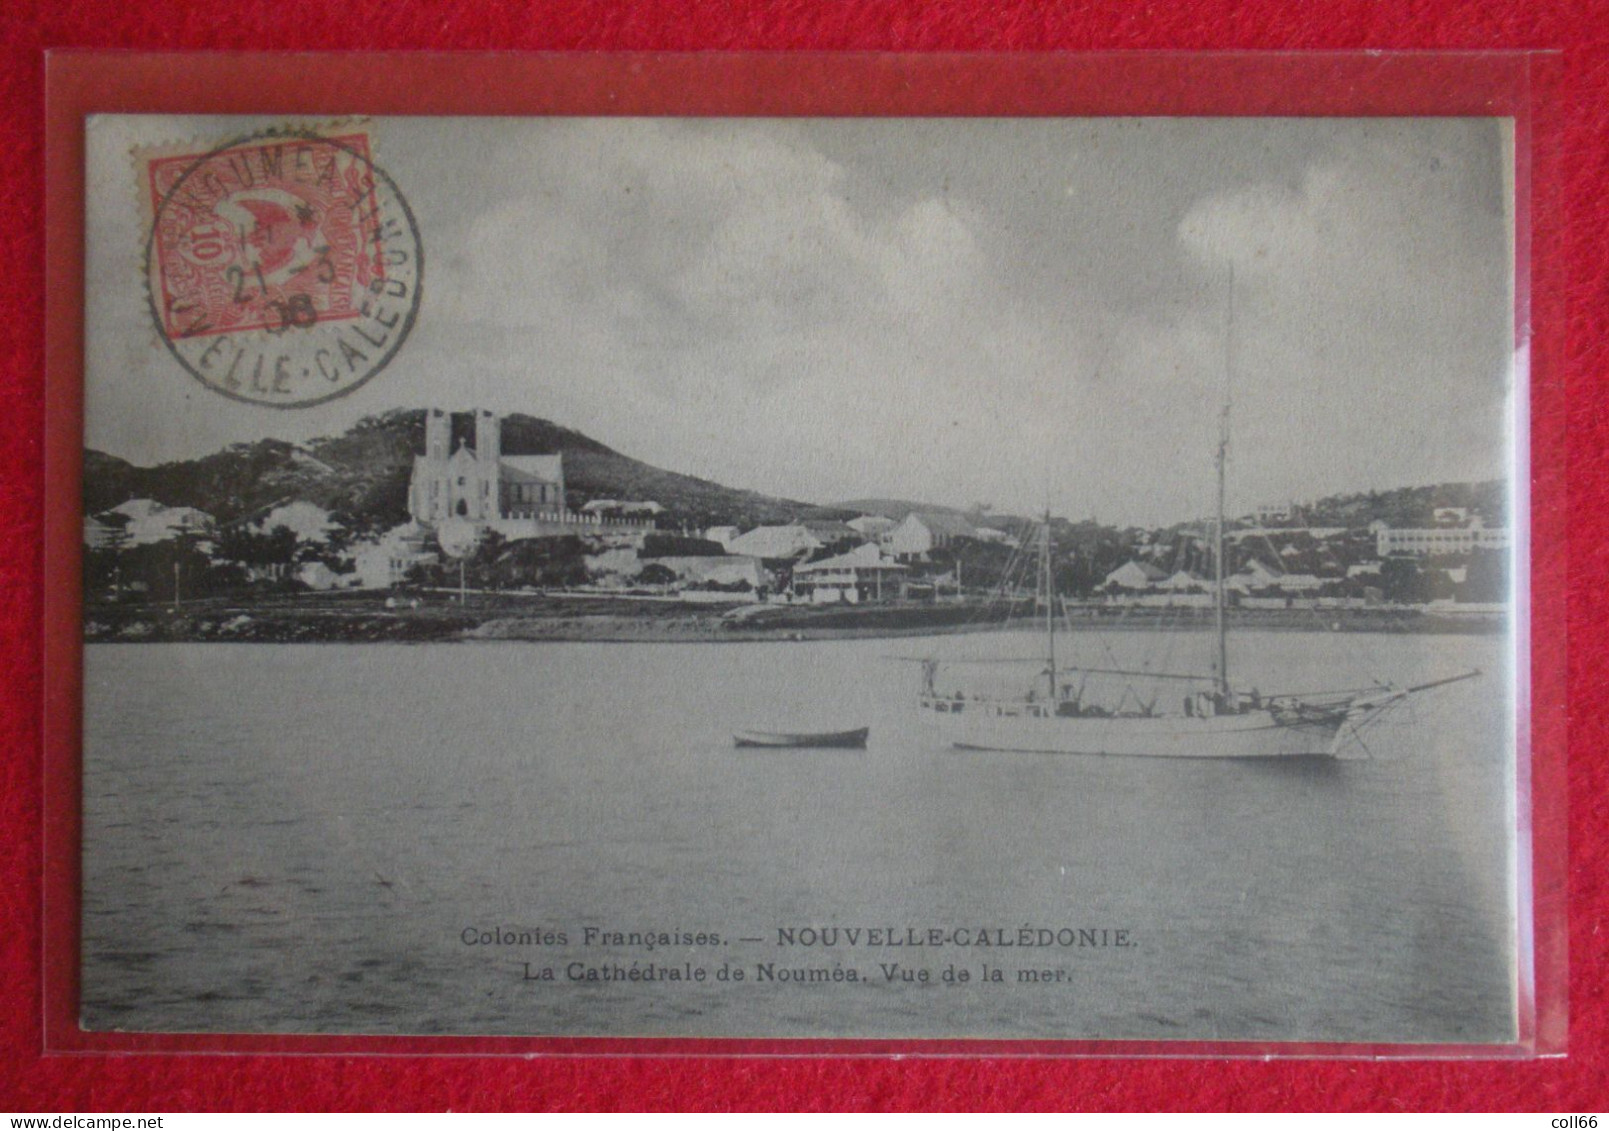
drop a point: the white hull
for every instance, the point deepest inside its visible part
(1254, 734)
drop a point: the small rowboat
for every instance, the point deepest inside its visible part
(838, 739)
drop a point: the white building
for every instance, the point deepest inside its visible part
(1255, 575)
(386, 561)
(872, 525)
(317, 575)
(830, 532)
(149, 521)
(1135, 575)
(1440, 540)
(863, 574)
(922, 532)
(308, 521)
(775, 542)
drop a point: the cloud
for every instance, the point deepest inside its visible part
(743, 318)
(1369, 316)
(829, 309)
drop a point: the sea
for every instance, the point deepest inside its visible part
(561, 840)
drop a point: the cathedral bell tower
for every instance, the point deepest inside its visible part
(429, 492)
(438, 434)
(488, 453)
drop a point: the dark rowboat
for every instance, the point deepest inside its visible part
(838, 739)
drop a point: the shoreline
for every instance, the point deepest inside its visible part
(612, 620)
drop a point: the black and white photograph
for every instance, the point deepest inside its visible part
(1039, 579)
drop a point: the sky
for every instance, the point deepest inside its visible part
(1017, 313)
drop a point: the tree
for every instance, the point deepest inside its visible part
(103, 564)
(481, 569)
(655, 573)
(175, 567)
(250, 548)
(117, 536)
(1403, 583)
(679, 546)
(978, 566)
(533, 561)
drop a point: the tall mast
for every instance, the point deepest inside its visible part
(1218, 529)
(1218, 560)
(1050, 608)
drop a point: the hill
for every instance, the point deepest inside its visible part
(899, 509)
(896, 509)
(363, 475)
(1411, 506)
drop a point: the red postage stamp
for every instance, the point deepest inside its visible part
(282, 268)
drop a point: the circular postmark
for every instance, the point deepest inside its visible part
(283, 268)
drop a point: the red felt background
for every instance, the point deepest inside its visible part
(1570, 315)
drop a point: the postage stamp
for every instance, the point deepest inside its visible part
(283, 268)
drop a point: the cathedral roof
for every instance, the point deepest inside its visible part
(517, 469)
(532, 469)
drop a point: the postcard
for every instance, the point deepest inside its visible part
(827, 578)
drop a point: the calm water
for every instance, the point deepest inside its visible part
(297, 838)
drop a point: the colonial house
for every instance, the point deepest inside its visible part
(317, 575)
(1142, 583)
(922, 532)
(1134, 576)
(308, 521)
(830, 532)
(1440, 540)
(385, 562)
(149, 521)
(1253, 576)
(872, 526)
(1183, 581)
(775, 543)
(861, 575)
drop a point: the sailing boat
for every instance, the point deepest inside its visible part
(1214, 719)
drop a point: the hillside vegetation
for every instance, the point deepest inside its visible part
(362, 475)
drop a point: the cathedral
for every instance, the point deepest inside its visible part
(481, 484)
